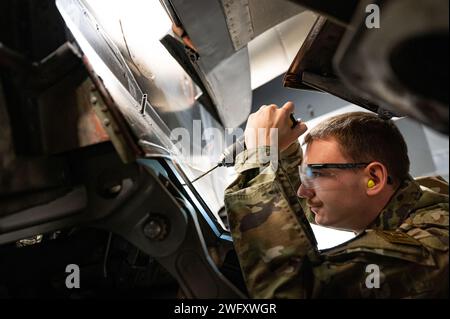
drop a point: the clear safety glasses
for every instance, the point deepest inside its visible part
(324, 176)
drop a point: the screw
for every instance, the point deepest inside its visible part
(156, 228)
(153, 229)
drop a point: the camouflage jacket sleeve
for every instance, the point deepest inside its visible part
(278, 254)
(271, 235)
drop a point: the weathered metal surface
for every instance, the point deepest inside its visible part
(110, 119)
(68, 119)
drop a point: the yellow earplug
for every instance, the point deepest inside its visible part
(371, 183)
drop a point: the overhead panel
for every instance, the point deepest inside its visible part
(268, 13)
(246, 19)
(239, 22)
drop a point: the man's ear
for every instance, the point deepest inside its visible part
(375, 178)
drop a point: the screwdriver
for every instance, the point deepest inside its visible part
(228, 157)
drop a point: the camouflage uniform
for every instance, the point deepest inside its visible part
(278, 252)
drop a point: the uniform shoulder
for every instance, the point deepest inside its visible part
(436, 184)
(429, 227)
(380, 243)
(433, 216)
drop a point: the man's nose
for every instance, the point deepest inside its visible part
(304, 192)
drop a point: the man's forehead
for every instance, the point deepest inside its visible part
(324, 151)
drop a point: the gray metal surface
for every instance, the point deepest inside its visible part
(268, 13)
(128, 72)
(206, 25)
(225, 64)
(231, 85)
(239, 22)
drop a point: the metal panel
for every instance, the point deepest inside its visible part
(239, 22)
(128, 70)
(206, 24)
(268, 13)
(403, 65)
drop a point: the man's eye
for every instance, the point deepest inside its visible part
(315, 174)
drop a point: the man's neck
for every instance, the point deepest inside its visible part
(375, 207)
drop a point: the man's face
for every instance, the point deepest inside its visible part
(336, 196)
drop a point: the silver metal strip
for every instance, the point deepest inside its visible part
(239, 22)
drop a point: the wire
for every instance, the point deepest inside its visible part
(105, 260)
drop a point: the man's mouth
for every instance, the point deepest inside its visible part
(314, 208)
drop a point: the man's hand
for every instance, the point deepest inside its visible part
(268, 120)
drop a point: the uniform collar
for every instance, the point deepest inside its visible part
(399, 207)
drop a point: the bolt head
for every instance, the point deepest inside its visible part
(153, 229)
(156, 229)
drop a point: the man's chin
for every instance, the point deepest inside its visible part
(329, 224)
(321, 220)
